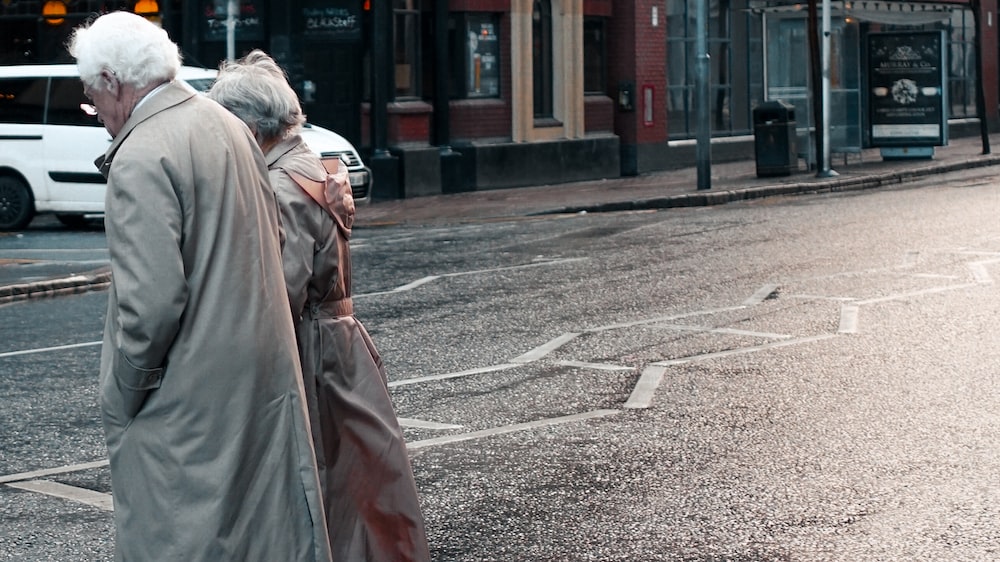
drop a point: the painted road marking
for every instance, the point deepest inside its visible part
(508, 429)
(658, 319)
(47, 349)
(848, 319)
(930, 291)
(595, 366)
(727, 331)
(761, 294)
(99, 500)
(979, 271)
(424, 424)
(642, 393)
(545, 349)
(425, 280)
(742, 350)
(459, 374)
(51, 471)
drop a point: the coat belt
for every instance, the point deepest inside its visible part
(333, 309)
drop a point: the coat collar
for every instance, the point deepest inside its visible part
(291, 145)
(174, 93)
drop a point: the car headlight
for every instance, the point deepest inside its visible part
(358, 178)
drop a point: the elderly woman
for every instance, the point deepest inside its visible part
(200, 387)
(370, 496)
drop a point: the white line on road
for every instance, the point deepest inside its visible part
(545, 349)
(424, 424)
(50, 471)
(728, 331)
(741, 350)
(761, 294)
(99, 500)
(509, 429)
(642, 394)
(424, 280)
(443, 376)
(848, 319)
(932, 290)
(597, 366)
(819, 298)
(979, 271)
(47, 349)
(658, 319)
(417, 283)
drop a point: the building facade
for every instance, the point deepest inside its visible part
(454, 95)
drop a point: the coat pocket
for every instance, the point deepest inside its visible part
(134, 384)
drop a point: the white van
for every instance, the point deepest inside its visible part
(50, 136)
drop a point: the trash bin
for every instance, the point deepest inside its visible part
(774, 139)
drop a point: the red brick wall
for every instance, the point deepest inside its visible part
(409, 122)
(599, 114)
(598, 8)
(637, 53)
(990, 68)
(621, 64)
(480, 118)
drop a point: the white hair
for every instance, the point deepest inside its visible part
(256, 90)
(136, 51)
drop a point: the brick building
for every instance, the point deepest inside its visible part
(451, 95)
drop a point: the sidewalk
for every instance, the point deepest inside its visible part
(733, 181)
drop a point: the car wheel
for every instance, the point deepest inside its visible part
(73, 221)
(17, 206)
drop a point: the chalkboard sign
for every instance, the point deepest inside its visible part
(907, 97)
(332, 21)
(249, 21)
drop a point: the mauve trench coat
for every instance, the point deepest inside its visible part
(371, 500)
(200, 384)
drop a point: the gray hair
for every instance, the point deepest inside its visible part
(256, 90)
(135, 50)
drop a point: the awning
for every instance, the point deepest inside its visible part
(876, 11)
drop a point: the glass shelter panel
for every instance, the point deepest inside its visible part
(731, 36)
(787, 77)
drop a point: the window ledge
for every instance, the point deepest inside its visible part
(409, 106)
(541, 123)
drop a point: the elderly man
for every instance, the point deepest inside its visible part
(200, 386)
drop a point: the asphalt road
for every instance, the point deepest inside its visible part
(803, 378)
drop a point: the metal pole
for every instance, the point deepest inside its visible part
(815, 88)
(381, 65)
(231, 10)
(824, 168)
(442, 125)
(984, 127)
(703, 153)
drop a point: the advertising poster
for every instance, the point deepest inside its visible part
(906, 89)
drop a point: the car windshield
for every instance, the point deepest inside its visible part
(200, 84)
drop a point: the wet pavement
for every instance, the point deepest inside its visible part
(730, 182)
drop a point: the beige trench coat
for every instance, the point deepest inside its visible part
(200, 385)
(371, 499)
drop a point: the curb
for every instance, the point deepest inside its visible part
(710, 198)
(93, 281)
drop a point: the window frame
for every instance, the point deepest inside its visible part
(542, 46)
(407, 49)
(595, 84)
